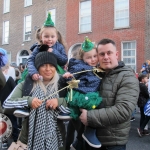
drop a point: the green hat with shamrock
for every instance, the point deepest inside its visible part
(48, 22)
(87, 45)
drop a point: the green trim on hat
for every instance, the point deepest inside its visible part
(87, 45)
(48, 22)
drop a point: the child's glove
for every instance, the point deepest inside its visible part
(43, 48)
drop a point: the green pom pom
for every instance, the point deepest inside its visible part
(48, 22)
(87, 45)
(79, 100)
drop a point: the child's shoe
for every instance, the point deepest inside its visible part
(64, 116)
(90, 137)
(20, 113)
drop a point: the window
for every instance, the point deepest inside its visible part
(6, 32)
(121, 13)
(23, 57)
(129, 54)
(6, 6)
(27, 3)
(27, 28)
(53, 14)
(85, 16)
(9, 56)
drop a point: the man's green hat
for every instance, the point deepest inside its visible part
(87, 45)
(48, 22)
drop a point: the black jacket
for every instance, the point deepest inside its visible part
(143, 96)
(9, 86)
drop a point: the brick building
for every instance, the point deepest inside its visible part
(127, 22)
(19, 20)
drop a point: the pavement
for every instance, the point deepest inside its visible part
(135, 142)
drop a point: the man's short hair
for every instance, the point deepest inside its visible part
(142, 76)
(106, 41)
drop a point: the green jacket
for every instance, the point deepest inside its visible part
(119, 90)
(15, 101)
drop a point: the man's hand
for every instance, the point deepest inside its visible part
(83, 116)
(52, 103)
(36, 103)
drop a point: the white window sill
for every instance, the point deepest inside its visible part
(5, 43)
(6, 12)
(28, 6)
(84, 32)
(119, 28)
(27, 40)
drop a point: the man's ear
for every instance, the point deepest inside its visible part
(117, 55)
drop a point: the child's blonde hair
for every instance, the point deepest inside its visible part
(80, 53)
(59, 36)
(37, 35)
(54, 83)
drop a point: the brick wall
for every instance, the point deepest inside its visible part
(38, 11)
(103, 25)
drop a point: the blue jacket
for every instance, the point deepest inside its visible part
(89, 82)
(58, 50)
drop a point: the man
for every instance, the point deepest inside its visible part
(119, 90)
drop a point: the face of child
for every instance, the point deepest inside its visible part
(49, 36)
(145, 80)
(91, 58)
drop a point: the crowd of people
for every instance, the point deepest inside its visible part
(96, 94)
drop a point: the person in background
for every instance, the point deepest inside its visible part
(2, 80)
(3, 61)
(18, 75)
(8, 88)
(119, 89)
(143, 98)
(11, 72)
(144, 69)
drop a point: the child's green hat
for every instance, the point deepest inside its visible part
(87, 45)
(48, 22)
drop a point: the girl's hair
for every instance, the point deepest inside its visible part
(80, 53)
(54, 83)
(60, 39)
(37, 35)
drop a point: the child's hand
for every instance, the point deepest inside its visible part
(67, 75)
(36, 103)
(52, 103)
(50, 50)
(35, 77)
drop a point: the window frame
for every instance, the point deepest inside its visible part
(5, 6)
(26, 3)
(4, 33)
(24, 34)
(122, 49)
(53, 13)
(82, 16)
(126, 26)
